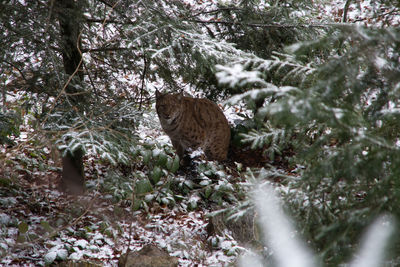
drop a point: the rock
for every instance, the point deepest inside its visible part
(148, 256)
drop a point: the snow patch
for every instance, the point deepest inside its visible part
(4, 219)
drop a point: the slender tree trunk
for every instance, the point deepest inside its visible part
(345, 10)
(69, 17)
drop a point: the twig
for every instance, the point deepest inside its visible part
(143, 79)
(91, 81)
(123, 263)
(20, 71)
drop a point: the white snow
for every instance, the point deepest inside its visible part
(237, 76)
(279, 232)
(380, 63)
(4, 219)
(373, 247)
(82, 244)
(8, 201)
(50, 257)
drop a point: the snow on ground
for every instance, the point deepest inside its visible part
(43, 226)
(365, 12)
(183, 234)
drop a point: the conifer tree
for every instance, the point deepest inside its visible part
(337, 106)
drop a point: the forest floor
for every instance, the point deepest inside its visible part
(38, 221)
(40, 225)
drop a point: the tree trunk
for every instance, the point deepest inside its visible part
(69, 17)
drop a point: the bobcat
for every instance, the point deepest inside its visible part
(193, 123)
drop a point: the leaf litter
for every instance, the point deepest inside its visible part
(39, 225)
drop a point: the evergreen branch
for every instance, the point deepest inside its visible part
(112, 21)
(260, 25)
(104, 49)
(215, 11)
(267, 136)
(34, 40)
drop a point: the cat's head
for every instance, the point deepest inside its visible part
(168, 106)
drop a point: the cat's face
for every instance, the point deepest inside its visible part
(168, 106)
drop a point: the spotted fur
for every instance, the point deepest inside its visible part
(193, 123)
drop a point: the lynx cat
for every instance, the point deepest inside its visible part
(193, 123)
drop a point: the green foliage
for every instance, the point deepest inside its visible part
(274, 140)
(153, 179)
(280, 235)
(108, 133)
(346, 124)
(263, 27)
(178, 48)
(353, 162)
(9, 126)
